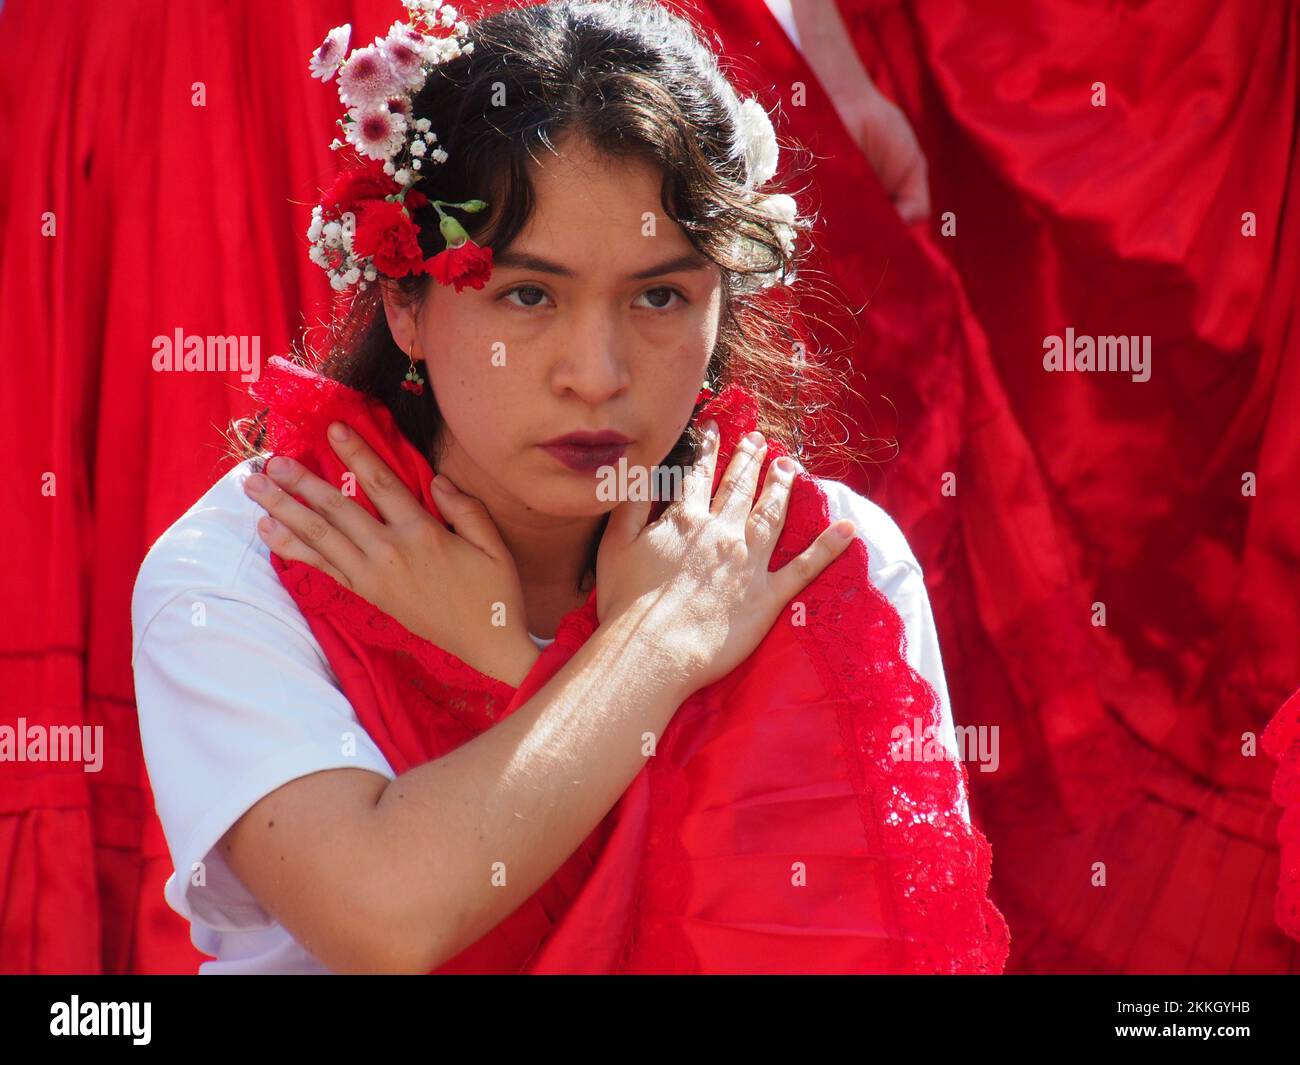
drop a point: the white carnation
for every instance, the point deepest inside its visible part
(759, 138)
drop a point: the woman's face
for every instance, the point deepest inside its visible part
(599, 316)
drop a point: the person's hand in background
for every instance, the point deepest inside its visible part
(877, 125)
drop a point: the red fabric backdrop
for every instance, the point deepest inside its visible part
(1119, 744)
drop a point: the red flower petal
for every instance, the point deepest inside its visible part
(360, 183)
(468, 264)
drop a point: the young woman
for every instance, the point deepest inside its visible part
(522, 718)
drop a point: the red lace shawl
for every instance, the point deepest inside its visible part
(772, 831)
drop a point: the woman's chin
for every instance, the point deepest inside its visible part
(565, 495)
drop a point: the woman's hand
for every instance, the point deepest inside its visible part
(698, 576)
(458, 589)
(875, 122)
(890, 145)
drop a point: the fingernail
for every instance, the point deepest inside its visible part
(844, 530)
(277, 466)
(754, 438)
(786, 464)
(338, 431)
(440, 482)
(256, 484)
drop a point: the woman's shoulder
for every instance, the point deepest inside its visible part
(887, 547)
(211, 549)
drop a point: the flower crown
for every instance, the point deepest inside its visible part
(363, 227)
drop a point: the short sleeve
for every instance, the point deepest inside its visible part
(233, 694)
(232, 705)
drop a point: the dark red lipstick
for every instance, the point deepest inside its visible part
(585, 452)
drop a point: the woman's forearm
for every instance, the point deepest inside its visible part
(824, 41)
(465, 839)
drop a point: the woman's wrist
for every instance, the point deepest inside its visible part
(521, 661)
(825, 43)
(658, 645)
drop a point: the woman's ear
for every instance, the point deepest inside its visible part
(400, 312)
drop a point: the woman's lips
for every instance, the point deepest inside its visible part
(586, 458)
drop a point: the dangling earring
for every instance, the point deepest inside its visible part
(414, 383)
(705, 394)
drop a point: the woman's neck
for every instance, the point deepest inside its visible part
(553, 566)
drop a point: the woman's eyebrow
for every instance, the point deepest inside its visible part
(692, 260)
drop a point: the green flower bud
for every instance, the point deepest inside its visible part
(453, 232)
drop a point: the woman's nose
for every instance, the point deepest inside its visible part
(594, 364)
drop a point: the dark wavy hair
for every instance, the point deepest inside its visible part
(635, 80)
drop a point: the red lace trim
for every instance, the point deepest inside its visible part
(940, 864)
(319, 595)
(302, 403)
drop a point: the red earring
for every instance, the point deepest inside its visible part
(704, 395)
(414, 383)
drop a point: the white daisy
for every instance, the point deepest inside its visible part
(326, 59)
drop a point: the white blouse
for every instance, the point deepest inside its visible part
(236, 698)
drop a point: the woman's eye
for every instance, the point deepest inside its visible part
(533, 292)
(531, 296)
(661, 297)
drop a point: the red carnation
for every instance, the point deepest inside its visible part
(354, 186)
(386, 235)
(467, 264)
